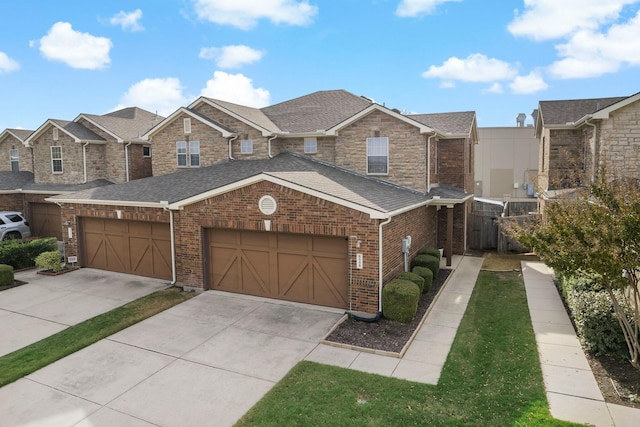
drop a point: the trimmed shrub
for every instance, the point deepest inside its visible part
(412, 277)
(427, 276)
(593, 314)
(22, 253)
(6, 275)
(429, 261)
(51, 261)
(430, 251)
(400, 300)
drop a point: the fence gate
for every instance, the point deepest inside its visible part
(484, 230)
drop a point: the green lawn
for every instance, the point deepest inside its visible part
(492, 378)
(40, 354)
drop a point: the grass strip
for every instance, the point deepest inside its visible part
(492, 377)
(20, 363)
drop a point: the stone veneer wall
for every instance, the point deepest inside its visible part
(25, 162)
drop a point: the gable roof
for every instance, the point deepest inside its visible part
(568, 112)
(127, 124)
(375, 197)
(23, 182)
(75, 130)
(455, 124)
(19, 134)
(252, 116)
(604, 112)
(224, 130)
(317, 111)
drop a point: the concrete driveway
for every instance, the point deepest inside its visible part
(204, 362)
(49, 304)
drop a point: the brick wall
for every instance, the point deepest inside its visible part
(456, 163)
(458, 226)
(12, 202)
(566, 158)
(139, 166)
(407, 149)
(619, 141)
(25, 162)
(326, 148)
(71, 159)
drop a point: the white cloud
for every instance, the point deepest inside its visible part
(78, 50)
(591, 54)
(233, 56)
(552, 19)
(419, 7)
(494, 88)
(7, 64)
(128, 21)
(236, 88)
(474, 68)
(162, 95)
(531, 83)
(245, 14)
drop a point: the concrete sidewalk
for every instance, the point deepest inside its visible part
(49, 304)
(572, 390)
(424, 359)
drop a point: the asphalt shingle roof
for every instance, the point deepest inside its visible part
(254, 115)
(316, 111)
(21, 134)
(79, 131)
(10, 181)
(128, 124)
(314, 175)
(457, 123)
(569, 111)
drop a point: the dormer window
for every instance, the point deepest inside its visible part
(246, 146)
(310, 145)
(378, 156)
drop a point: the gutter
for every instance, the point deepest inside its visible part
(269, 145)
(429, 161)
(387, 221)
(230, 141)
(126, 160)
(84, 161)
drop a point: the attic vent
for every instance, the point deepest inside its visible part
(267, 205)
(376, 133)
(55, 134)
(187, 126)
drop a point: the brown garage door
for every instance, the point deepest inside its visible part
(310, 269)
(134, 247)
(46, 220)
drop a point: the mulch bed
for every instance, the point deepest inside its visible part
(64, 270)
(385, 334)
(15, 284)
(619, 382)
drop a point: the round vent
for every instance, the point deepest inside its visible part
(267, 205)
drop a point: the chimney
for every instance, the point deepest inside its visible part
(520, 119)
(534, 114)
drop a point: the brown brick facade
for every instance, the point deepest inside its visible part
(25, 162)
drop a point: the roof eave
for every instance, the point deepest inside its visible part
(212, 103)
(96, 124)
(149, 134)
(159, 205)
(333, 131)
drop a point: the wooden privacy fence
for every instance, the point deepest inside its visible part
(489, 224)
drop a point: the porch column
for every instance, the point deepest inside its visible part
(449, 247)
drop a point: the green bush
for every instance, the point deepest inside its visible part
(430, 251)
(400, 300)
(429, 261)
(593, 314)
(412, 277)
(426, 274)
(6, 275)
(22, 253)
(51, 261)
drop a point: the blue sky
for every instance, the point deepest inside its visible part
(60, 59)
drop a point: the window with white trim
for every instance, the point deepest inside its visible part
(56, 159)
(14, 159)
(181, 153)
(246, 146)
(194, 154)
(310, 145)
(378, 156)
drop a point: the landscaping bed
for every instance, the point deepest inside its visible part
(16, 283)
(385, 334)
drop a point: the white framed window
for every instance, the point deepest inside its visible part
(194, 154)
(310, 145)
(146, 151)
(246, 146)
(181, 153)
(378, 156)
(56, 159)
(14, 159)
(187, 126)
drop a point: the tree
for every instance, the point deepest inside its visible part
(597, 234)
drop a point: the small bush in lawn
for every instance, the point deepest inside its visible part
(430, 251)
(400, 300)
(412, 277)
(6, 275)
(51, 261)
(426, 274)
(429, 261)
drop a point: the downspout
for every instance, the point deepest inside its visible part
(84, 162)
(269, 144)
(429, 161)
(595, 149)
(230, 141)
(172, 233)
(387, 221)
(126, 160)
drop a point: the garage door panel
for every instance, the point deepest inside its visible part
(293, 267)
(131, 247)
(46, 220)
